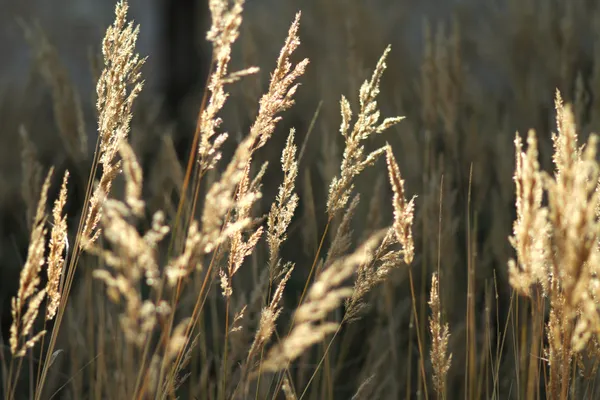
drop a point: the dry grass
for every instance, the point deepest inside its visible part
(212, 281)
(557, 244)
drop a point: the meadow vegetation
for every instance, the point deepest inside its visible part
(413, 256)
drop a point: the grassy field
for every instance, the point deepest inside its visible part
(347, 220)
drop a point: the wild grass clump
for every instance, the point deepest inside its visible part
(207, 243)
(557, 244)
(222, 279)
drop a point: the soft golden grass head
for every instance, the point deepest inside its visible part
(269, 316)
(240, 248)
(531, 228)
(117, 88)
(387, 257)
(366, 124)
(29, 294)
(133, 179)
(557, 244)
(221, 196)
(132, 257)
(282, 210)
(58, 248)
(440, 334)
(223, 33)
(326, 294)
(403, 210)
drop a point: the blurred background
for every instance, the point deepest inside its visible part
(467, 74)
